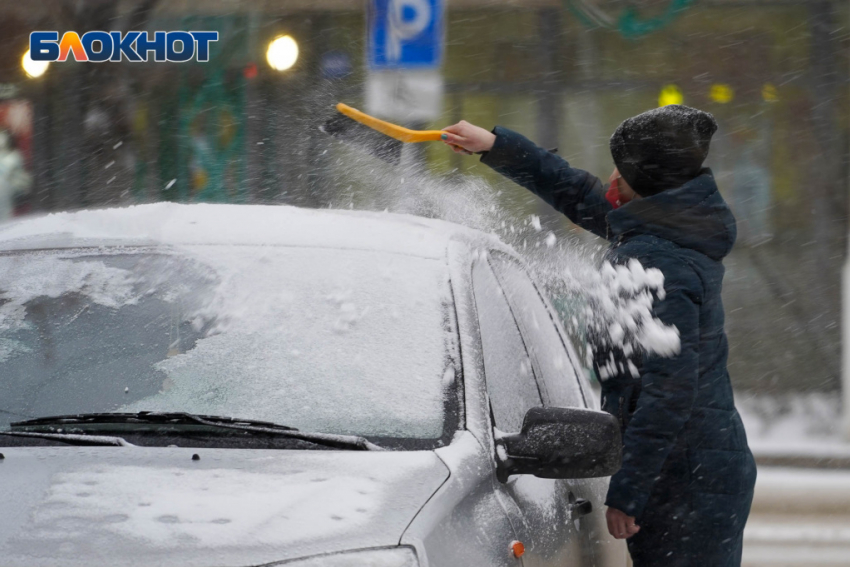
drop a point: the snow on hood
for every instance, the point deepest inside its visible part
(155, 506)
(172, 223)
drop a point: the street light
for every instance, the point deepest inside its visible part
(670, 94)
(282, 53)
(33, 69)
(721, 93)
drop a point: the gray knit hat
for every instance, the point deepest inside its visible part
(663, 148)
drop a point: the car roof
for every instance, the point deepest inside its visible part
(258, 225)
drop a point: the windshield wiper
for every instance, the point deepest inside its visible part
(73, 438)
(182, 418)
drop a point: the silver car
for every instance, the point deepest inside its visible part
(224, 385)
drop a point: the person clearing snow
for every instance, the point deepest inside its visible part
(683, 494)
(14, 179)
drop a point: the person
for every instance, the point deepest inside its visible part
(683, 493)
(14, 179)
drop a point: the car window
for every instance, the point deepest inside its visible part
(552, 364)
(507, 368)
(572, 309)
(337, 341)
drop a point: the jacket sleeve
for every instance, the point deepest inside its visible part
(573, 192)
(668, 391)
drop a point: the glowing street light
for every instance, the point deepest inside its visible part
(721, 93)
(33, 69)
(670, 94)
(282, 53)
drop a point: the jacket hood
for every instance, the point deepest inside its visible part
(693, 216)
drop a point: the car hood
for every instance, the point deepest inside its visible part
(99, 506)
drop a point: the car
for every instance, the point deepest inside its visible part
(240, 385)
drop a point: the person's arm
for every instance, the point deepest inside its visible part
(574, 192)
(668, 390)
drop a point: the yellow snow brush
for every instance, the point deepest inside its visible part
(378, 137)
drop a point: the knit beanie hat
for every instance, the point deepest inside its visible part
(663, 148)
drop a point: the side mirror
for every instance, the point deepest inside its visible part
(562, 443)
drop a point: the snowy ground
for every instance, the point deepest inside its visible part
(800, 429)
(800, 515)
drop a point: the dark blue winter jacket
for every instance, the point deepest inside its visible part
(681, 429)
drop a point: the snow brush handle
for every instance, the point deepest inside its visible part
(399, 133)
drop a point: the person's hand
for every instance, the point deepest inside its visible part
(468, 138)
(620, 525)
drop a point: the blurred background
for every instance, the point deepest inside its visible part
(243, 127)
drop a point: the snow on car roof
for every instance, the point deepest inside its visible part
(274, 225)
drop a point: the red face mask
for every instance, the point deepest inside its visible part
(613, 195)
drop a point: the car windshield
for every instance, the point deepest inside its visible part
(337, 341)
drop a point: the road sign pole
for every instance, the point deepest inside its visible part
(405, 51)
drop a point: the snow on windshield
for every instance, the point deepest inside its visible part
(340, 341)
(320, 339)
(23, 278)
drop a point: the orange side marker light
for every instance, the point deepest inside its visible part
(517, 548)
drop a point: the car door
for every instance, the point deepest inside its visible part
(557, 370)
(539, 508)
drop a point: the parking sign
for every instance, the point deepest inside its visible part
(405, 34)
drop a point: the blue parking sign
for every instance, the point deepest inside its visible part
(405, 34)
